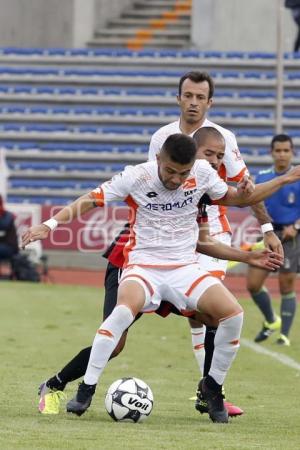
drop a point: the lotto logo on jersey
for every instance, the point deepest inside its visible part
(190, 183)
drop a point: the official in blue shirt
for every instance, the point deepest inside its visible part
(284, 209)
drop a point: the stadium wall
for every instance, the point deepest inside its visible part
(239, 25)
(55, 23)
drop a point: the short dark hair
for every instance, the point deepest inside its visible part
(202, 133)
(180, 148)
(197, 77)
(281, 138)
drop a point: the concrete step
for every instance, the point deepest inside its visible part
(131, 32)
(149, 14)
(159, 4)
(153, 43)
(141, 23)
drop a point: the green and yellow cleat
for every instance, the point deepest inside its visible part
(283, 340)
(50, 399)
(268, 329)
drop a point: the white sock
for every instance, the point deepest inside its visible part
(198, 335)
(227, 342)
(106, 340)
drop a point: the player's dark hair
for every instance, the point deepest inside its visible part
(180, 148)
(197, 77)
(281, 138)
(204, 132)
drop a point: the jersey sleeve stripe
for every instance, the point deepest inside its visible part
(239, 176)
(98, 196)
(133, 206)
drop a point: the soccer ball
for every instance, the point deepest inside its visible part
(129, 399)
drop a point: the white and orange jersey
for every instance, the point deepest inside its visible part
(233, 168)
(163, 227)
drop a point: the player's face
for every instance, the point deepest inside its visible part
(194, 102)
(282, 154)
(213, 151)
(171, 174)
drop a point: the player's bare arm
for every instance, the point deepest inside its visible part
(77, 208)
(271, 240)
(264, 259)
(238, 197)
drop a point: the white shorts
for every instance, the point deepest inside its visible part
(217, 267)
(182, 286)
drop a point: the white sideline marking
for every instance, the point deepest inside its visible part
(283, 359)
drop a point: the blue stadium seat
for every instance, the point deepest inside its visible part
(236, 55)
(15, 109)
(44, 199)
(23, 89)
(45, 90)
(67, 91)
(86, 167)
(128, 130)
(88, 129)
(88, 91)
(22, 51)
(4, 89)
(46, 128)
(246, 151)
(83, 110)
(50, 184)
(254, 133)
(11, 127)
(293, 76)
(79, 52)
(291, 115)
(220, 93)
(213, 54)
(60, 110)
(261, 55)
(256, 94)
(39, 110)
(56, 51)
(36, 165)
(263, 151)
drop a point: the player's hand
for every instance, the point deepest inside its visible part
(273, 243)
(245, 186)
(293, 174)
(34, 234)
(289, 232)
(265, 259)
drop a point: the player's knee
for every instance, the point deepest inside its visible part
(253, 286)
(196, 322)
(236, 310)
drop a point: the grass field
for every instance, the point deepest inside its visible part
(42, 326)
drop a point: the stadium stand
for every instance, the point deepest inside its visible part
(71, 118)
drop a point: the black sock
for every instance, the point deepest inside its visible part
(75, 369)
(209, 346)
(212, 384)
(55, 383)
(287, 311)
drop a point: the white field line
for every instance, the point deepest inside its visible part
(283, 359)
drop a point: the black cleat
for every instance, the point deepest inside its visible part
(268, 329)
(200, 403)
(82, 400)
(215, 403)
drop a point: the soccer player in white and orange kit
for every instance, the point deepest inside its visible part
(161, 258)
(195, 92)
